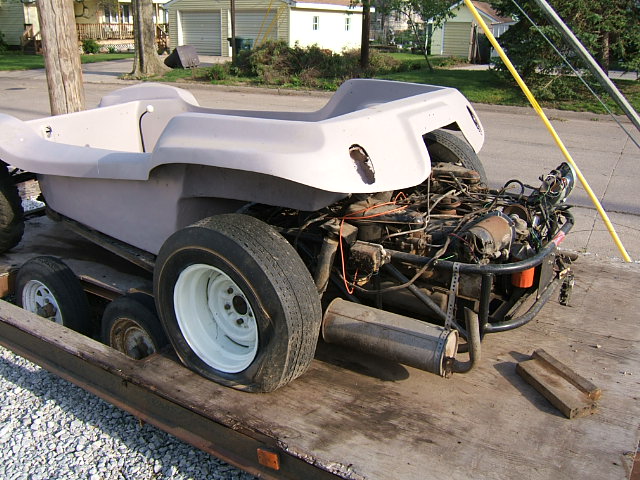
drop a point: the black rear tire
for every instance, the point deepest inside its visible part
(131, 325)
(11, 212)
(447, 148)
(270, 293)
(48, 287)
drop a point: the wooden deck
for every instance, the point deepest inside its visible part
(362, 418)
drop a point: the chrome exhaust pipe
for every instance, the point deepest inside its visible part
(394, 337)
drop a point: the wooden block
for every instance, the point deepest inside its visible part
(578, 381)
(566, 390)
(6, 282)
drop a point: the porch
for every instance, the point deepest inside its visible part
(119, 34)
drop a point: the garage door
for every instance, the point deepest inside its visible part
(257, 25)
(203, 31)
(456, 38)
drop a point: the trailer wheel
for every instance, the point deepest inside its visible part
(237, 302)
(130, 325)
(446, 147)
(47, 286)
(11, 212)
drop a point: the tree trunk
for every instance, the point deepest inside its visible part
(146, 62)
(61, 56)
(605, 52)
(416, 36)
(234, 52)
(364, 43)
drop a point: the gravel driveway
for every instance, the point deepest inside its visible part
(52, 430)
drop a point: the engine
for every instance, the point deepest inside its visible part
(381, 249)
(455, 217)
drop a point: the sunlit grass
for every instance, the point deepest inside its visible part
(17, 61)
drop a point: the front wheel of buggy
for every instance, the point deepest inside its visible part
(447, 148)
(237, 303)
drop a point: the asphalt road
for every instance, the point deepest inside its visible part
(517, 145)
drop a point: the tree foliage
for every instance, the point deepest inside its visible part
(609, 29)
(435, 12)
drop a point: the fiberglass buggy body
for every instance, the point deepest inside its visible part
(367, 219)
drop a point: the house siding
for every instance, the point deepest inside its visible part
(257, 25)
(331, 33)
(281, 32)
(454, 36)
(457, 37)
(12, 20)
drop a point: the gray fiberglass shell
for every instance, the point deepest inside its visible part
(149, 160)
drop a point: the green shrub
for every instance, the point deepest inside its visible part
(217, 72)
(112, 49)
(90, 46)
(276, 63)
(381, 63)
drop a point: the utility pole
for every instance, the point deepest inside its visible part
(364, 42)
(61, 56)
(234, 53)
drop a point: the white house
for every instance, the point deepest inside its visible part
(457, 36)
(206, 24)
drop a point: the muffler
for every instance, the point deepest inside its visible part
(394, 337)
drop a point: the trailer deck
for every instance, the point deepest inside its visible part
(357, 417)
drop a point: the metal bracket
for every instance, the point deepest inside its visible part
(566, 288)
(453, 294)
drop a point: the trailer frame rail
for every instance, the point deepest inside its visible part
(132, 386)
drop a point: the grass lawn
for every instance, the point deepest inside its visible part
(480, 86)
(18, 61)
(486, 86)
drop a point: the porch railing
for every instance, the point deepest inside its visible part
(120, 31)
(105, 31)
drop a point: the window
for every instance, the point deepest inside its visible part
(347, 24)
(316, 23)
(126, 14)
(110, 16)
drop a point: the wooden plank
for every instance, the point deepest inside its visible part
(103, 372)
(581, 383)
(562, 394)
(5, 284)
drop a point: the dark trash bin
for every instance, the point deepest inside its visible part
(242, 43)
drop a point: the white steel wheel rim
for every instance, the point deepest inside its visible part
(215, 318)
(37, 298)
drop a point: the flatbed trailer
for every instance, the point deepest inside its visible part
(354, 416)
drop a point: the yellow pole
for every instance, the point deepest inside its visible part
(552, 131)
